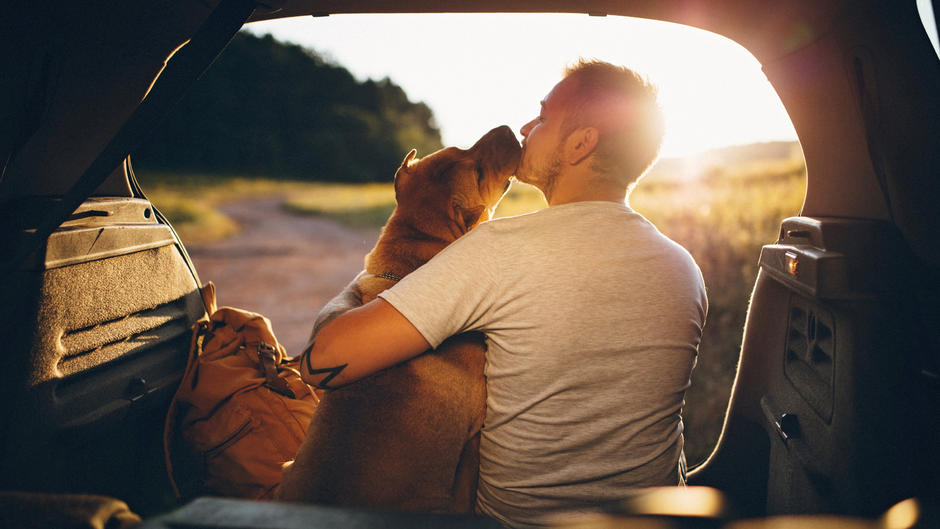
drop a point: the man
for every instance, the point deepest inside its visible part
(592, 317)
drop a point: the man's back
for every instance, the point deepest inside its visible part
(592, 320)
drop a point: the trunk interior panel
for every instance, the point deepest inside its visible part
(109, 335)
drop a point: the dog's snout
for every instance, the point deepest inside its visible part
(505, 134)
(499, 149)
(500, 137)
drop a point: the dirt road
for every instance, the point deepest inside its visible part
(283, 266)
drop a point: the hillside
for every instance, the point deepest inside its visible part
(267, 108)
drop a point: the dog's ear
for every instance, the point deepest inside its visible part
(402, 174)
(467, 217)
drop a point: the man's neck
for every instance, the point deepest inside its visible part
(574, 187)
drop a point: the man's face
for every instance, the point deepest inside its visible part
(541, 144)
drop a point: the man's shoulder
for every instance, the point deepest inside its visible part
(584, 221)
(546, 216)
(509, 225)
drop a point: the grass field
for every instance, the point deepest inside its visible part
(722, 217)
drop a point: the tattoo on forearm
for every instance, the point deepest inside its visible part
(333, 371)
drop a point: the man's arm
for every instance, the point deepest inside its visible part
(350, 344)
(359, 342)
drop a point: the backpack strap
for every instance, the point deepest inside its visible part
(268, 357)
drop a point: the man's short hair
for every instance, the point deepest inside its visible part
(623, 106)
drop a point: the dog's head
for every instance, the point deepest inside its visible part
(447, 193)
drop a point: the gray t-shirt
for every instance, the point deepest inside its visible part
(592, 320)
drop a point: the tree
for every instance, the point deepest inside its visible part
(279, 110)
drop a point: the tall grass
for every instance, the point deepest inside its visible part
(722, 218)
(190, 201)
(355, 205)
(370, 205)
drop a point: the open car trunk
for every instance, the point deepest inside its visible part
(97, 313)
(834, 404)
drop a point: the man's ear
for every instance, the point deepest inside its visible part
(467, 217)
(404, 171)
(580, 144)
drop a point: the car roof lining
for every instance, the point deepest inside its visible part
(766, 33)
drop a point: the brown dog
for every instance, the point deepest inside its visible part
(406, 438)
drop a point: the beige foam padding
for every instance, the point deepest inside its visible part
(95, 312)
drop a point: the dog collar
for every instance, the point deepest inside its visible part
(390, 276)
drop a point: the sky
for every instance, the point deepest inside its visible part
(479, 71)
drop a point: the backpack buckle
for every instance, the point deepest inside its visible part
(267, 354)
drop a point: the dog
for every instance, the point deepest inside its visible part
(407, 438)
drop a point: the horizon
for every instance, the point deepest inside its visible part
(712, 90)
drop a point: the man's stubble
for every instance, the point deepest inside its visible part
(543, 176)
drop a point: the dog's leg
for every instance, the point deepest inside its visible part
(349, 298)
(465, 482)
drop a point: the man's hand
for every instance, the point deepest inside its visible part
(356, 343)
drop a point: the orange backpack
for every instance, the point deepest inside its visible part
(241, 410)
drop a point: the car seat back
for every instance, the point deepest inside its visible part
(99, 327)
(837, 371)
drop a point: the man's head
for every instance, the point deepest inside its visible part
(601, 115)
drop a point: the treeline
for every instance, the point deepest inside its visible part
(273, 109)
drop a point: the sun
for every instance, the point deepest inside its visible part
(714, 94)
